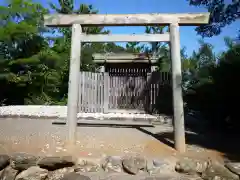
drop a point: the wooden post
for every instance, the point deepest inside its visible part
(153, 68)
(102, 69)
(179, 131)
(73, 83)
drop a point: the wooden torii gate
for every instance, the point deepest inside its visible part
(172, 20)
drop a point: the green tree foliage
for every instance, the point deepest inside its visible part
(33, 62)
(159, 50)
(213, 90)
(24, 51)
(223, 12)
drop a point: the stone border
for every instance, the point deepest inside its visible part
(23, 166)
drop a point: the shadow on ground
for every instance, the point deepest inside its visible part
(225, 144)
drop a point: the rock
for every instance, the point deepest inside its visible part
(171, 178)
(133, 165)
(191, 166)
(150, 165)
(158, 166)
(59, 173)
(233, 167)
(156, 178)
(22, 161)
(217, 171)
(53, 163)
(158, 163)
(4, 161)
(112, 164)
(8, 173)
(75, 176)
(87, 166)
(33, 173)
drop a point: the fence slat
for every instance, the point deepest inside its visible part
(106, 92)
(88, 91)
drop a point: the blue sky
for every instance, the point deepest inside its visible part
(189, 38)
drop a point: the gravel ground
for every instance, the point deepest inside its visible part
(40, 136)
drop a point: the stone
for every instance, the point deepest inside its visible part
(87, 166)
(4, 161)
(159, 178)
(33, 173)
(133, 165)
(8, 173)
(53, 163)
(112, 164)
(59, 173)
(75, 176)
(159, 166)
(217, 171)
(158, 162)
(191, 166)
(172, 177)
(22, 161)
(233, 167)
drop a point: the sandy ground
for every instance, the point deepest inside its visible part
(39, 136)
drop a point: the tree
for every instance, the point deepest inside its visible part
(27, 64)
(159, 50)
(213, 90)
(133, 47)
(222, 13)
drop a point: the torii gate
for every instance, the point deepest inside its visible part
(172, 20)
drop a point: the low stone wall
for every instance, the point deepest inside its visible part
(60, 112)
(23, 166)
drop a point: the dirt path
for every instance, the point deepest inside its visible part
(42, 138)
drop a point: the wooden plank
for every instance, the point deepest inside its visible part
(96, 92)
(98, 57)
(87, 83)
(179, 129)
(83, 92)
(106, 91)
(91, 92)
(101, 92)
(107, 122)
(94, 76)
(148, 94)
(80, 93)
(126, 19)
(119, 60)
(73, 84)
(125, 37)
(114, 87)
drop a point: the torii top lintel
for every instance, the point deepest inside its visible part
(183, 19)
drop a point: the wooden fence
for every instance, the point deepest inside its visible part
(104, 92)
(93, 92)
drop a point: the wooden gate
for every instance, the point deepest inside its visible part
(126, 85)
